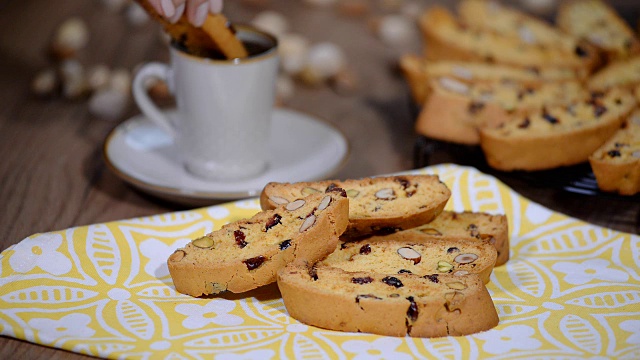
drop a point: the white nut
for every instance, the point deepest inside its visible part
(386, 194)
(526, 35)
(71, 36)
(278, 200)
(293, 50)
(98, 76)
(295, 205)
(108, 103)
(44, 83)
(462, 72)
(308, 222)
(272, 22)
(324, 202)
(136, 15)
(454, 85)
(410, 254)
(396, 30)
(636, 154)
(326, 59)
(461, 273)
(74, 82)
(121, 80)
(465, 258)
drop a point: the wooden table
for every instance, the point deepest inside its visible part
(52, 174)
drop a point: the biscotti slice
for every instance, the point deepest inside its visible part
(455, 110)
(410, 253)
(247, 254)
(481, 226)
(393, 305)
(376, 205)
(418, 71)
(447, 39)
(620, 73)
(557, 136)
(616, 164)
(598, 23)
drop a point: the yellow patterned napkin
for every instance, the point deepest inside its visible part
(570, 290)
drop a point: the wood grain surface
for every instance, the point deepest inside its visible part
(52, 174)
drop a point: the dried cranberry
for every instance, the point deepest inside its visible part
(598, 110)
(614, 153)
(366, 296)
(313, 273)
(581, 52)
(362, 280)
(433, 278)
(275, 220)
(525, 123)
(393, 281)
(365, 249)
(404, 271)
(285, 244)
(239, 236)
(551, 119)
(475, 107)
(254, 263)
(412, 312)
(336, 189)
(452, 249)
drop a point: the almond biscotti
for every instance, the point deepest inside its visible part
(455, 110)
(448, 39)
(387, 304)
(418, 71)
(557, 136)
(411, 253)
(376, 205)
(598, 23)
(247, 254)
(620, 73)
(616, 164)
(479, 226)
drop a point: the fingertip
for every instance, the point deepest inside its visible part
(178, 13)
(215, 6)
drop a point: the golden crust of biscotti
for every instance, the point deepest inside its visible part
(559, 136)
(376, 205)
(446, 38)
(598, 23)
(475, 226)
(246, 254)
(620, 73)
(418, 71)
(616, 164)
(410, 252)
(393, 305)
(455, 111)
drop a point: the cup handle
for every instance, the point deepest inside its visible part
(141, 96)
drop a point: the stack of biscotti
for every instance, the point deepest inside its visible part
(558, 136)
(616, 164)
(411, 274)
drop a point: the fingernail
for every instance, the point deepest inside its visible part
(215, 6)
(201, 14)
(178, 13)
(168, 8)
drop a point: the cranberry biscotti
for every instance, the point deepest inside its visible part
(616, 164)
(387, 304)
(376, 205)
(558, 136)
(247, 254)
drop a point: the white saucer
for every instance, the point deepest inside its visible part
(302, 149)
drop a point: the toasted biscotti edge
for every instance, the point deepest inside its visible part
(208, 276)
(330, 298)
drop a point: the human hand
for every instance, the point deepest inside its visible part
(196, 10)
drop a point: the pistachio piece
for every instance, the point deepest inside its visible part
(278, 200)
(431, 231)
(295, 205)
(408, 253)
(444, 266)
(352, 193)
(204, 242)
(456, 285)
(324, 202)
(386, 194)
(308, 222)
(465, 258)
(309, 190)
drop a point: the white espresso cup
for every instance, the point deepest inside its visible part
(224, 107)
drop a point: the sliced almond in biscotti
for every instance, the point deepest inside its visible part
(376, 205)
(557, 136)
(387, 304)
(620, 73)
(246, 254)
(412, 253)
